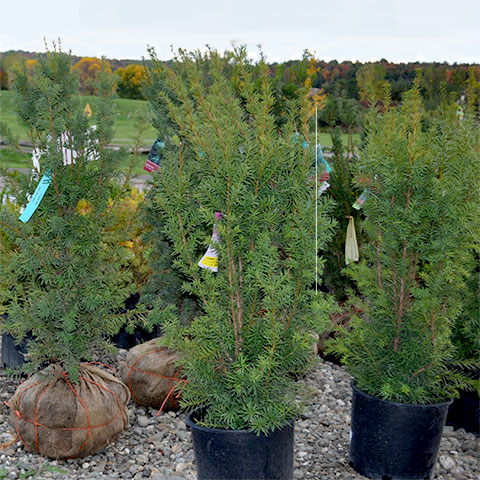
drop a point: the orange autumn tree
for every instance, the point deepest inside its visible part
(88, 67)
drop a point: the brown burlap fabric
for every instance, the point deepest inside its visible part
(151, 374)
(59, 419)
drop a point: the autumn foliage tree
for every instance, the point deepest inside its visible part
(131, 80)
(87, 68)
(370, 81)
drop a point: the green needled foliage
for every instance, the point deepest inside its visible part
(422, 220)
(344, 193)
(61, 282)
(253, 333)
(466, 331)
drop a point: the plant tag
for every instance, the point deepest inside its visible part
(322, 187)
(325, 175)
(360, 200)
(150, 166)
(210, 260)
(351, 247)
(321, 158)
(37, 196)
(154, 159)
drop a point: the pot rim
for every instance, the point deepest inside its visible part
(399, 404)
(192, 424)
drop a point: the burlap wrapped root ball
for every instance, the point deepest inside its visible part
(59, 419)
(151, 373)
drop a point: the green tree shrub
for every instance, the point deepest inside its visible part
(421, 221)
(64, 284)
(253, 331)
(343, 191)
(370, 81)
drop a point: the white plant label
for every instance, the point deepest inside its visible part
(210, 260)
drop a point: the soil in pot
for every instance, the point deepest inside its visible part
(240, 454)
(395, 441)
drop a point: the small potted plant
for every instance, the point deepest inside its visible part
(235, 173)
(421, 222)
(63, 283)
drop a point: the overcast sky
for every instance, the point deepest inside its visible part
(398, 30)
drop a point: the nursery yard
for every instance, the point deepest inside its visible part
(159, 447)
(95, 256)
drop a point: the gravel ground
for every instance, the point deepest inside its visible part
(159, 447)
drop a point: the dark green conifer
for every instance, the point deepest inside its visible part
(62, 283)
(422, 220)
(253, 332)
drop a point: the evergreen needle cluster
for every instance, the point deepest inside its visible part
(62, 283)
(422, 222)
(253, 332)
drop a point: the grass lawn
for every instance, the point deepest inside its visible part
(125, 129)
(124, 122)
(14, 159)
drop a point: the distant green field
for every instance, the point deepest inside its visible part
(13, 159)
(124, 121)
(125, 128)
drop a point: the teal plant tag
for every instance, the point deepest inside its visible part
(360, 200)
(321, 158)
(37, 196)
(154, 159)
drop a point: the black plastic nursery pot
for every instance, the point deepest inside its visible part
(12, 354)
(395, 441)
(464, 412)
(240, 454)
(126, 340)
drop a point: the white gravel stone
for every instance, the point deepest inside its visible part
(143, 421)
(448, 463)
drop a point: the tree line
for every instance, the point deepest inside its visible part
(341, 89)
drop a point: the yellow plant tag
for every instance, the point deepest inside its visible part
(210, 261)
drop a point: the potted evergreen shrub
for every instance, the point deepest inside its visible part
(421, 222)
(64, 282)
(465, 410)
(235, 173)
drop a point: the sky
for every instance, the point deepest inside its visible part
(363, 30)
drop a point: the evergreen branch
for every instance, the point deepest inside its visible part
(379, 262)
(189, 258)
(232, 303)
(402, 283)
(253, 308)
(402, 301)
(55, 186)
(20, 234)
